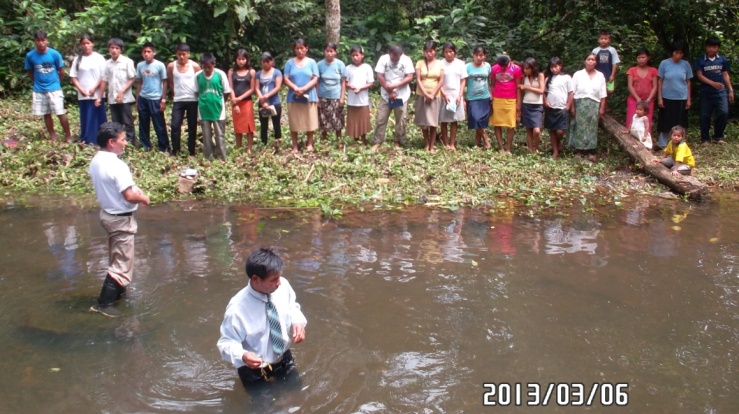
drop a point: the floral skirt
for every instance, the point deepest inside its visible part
(584, 125)
(330, 115)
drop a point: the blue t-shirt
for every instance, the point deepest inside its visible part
(605, 59)
(674, 77)
(329, 80)
(301, 77)
(267, 83)
(477, 82)
(713, 70)
(45, 67)
(152, 75)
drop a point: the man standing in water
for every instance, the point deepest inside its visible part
(119, 198)
(260, 322)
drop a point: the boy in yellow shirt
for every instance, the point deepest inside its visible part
(678, 157)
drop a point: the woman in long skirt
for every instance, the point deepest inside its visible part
(589, 87)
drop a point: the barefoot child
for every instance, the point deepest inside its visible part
(359, 78)
(558, 96)
(477, 96)
(640, 125)
(268, 91)
(678, 157)
(212, 88)
(532, 108)
(452, 104)
(242, 80)
(331, 93)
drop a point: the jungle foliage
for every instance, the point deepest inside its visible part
(538, 28)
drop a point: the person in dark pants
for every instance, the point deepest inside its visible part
(151, 82)
(261, 321)
(181, 77)
(119, 197)
(712, 70)
(118, 77)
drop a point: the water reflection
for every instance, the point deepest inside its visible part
(408, 311)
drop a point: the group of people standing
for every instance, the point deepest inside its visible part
(448, 91)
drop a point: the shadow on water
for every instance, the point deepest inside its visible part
(408, 311)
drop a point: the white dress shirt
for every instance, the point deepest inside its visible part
(110, 177)
(245, 327)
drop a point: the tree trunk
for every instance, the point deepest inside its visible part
(681, 184)
(333, 21)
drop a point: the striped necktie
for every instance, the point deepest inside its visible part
(275, 328)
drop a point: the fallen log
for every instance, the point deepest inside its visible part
(681, 184)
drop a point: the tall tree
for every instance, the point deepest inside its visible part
(333, 21)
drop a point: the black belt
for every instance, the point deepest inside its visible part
(127, 214)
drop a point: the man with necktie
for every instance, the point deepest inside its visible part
(261, 322)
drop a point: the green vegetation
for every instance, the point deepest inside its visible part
(358, 179)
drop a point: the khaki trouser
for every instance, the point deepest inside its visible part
(213, 130)
(383, 115)
(121, 230)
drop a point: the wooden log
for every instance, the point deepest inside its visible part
(681, 184)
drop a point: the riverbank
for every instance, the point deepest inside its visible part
(356, 179)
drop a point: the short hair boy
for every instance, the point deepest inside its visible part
(212, 86)
(712, 69)
(151, 83)
(181, 78)
(607, 59)
(261, 321)
(45, 67)
(118, 77)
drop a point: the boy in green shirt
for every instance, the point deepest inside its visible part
(212, 85)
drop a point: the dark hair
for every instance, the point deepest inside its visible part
(677, 46)
(357, 49)
(84, 36)
(642, 51)
(108, 131)
(116, 42)
(591, 54)
(429, 45)
(266, 56)
(300, 42)
(182, 47)
(680, 129)
(449, 45)
(713, 41)
(207, 58)
(502, 60)
(531, 63)
(604, 32)
(643, 105)
(262, 263)
(330, 45)
(242, 53)
(554, 61)
(39, 35)
(148, 45)
(479, 49)
(395, 50)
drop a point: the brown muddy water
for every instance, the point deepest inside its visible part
(408, 312)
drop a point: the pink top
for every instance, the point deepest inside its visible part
(504, 80)
(643, 86)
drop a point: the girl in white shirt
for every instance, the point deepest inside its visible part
(640, 125)
(359, 78)
(452, 104)
(87, 74)
(558, 97)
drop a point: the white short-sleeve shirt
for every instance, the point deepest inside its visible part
(357, 77)
(110, 177)
(89, 73)
(395, 72)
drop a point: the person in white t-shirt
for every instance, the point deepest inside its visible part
(87, 75)
(359, 78)
(119, 197)
(395, 71)
(452, 106)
